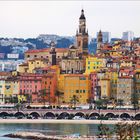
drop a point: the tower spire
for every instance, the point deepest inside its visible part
(82, 15)
(53, 53)
(82, 36)
(99, 41)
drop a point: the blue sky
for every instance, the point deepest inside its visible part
(31, 18)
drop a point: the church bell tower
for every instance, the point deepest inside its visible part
(99, 41)
(53, 53)
(82, 35)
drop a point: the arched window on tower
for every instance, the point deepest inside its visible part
(79, 43)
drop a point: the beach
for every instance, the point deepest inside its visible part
(51, 121)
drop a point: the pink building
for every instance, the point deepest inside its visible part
(30, 85)
(94, 85)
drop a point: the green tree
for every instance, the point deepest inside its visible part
(99, 104)
(15, 100)
(59, 95)
(44, 96)
(104, 131)
(28, 99)
(120, 102)
(18, 106)
(105, 101)
(90, 101)
(126, 131)
(74, 100)
(135, 101)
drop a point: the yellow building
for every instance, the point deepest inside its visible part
(105, 87)
(23, 68)
(2, 90)
(114, 53)
(126, 63)
(31, 65)
(60, 85)
(94, 64)
(76, 85)
(116, 46)
(3, 77)
(8, 90)
(113, 76)
(36, 63)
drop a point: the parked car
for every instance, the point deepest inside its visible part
(78, 118)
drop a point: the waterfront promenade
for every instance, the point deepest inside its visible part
(52, 121)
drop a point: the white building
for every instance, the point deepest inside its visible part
(9, 65)
(128, 36)
(106, 37)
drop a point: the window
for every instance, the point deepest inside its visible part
(79, 43)
(82, 78)
(84, 91)
(80, 91)
(88, 62)
(28, 56)
(35, 55)
(72, 91)
(77, 91)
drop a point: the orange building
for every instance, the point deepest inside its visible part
(49, 87)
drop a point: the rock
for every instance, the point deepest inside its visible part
(32, 135)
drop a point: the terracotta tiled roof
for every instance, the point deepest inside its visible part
(77, 75)
(112, 70)
(5, 73)
(125, 77)
(24, 64)
(47, 50)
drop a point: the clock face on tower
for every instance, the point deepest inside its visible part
(82, 23)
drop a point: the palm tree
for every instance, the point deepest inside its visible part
(59, 94)
(105, 101)
(120, 102)
(28, 98)
(74, 100)
(135, 101)
(18, 106)
(15, 100)
(45, 96)
(99, 104)
(90, 101)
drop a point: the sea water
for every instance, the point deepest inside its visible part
(49, 129)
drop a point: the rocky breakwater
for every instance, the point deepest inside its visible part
(40, 136)
(32, 135)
